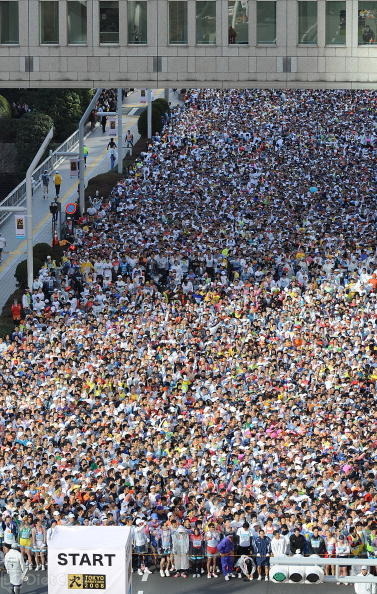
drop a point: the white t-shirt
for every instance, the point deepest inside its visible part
(244, 536)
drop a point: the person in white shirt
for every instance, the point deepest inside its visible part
(278, 544)
(141, 540)
(365, 588)
(15, 567)
(244, 536)
(245, 565)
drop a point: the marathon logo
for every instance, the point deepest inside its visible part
(86, 582)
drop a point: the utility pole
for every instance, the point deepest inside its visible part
(29, 207)
(82, 123)
(149, 113)
(120, 131)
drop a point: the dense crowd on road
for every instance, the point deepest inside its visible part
(202, 364)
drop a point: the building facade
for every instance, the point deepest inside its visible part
(188, 43)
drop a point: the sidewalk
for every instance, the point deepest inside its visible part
(98, 162)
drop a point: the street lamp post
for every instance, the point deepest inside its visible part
(149, 114)
(120, 130)
(82, 123)
(29, 207)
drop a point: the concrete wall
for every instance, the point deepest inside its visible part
(220, 65)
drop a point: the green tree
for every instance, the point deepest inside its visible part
(5, 110)
(64, 106)
(30, 135)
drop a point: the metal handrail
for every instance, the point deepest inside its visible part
(18, 195)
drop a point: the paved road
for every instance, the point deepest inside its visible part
(37, 584)
(98, 162)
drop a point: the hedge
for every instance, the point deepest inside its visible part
(104, 183)
(21, 271)
(157, 122)
(41, 251)
(162, 105)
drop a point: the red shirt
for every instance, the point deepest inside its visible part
(16, 311)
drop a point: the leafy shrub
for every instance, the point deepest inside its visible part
(104, 183)
(57, 253)
(5, 109)
(21, 271)
(8, 130)
(41, 251)
(157, 121)
(162, 105)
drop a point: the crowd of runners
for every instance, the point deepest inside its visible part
(202, 365)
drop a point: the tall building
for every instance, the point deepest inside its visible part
(188, 43)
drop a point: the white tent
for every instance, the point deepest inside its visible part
(95, 558)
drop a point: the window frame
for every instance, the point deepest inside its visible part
(178, 43)
(327, 43)
(209, 44)
(102, 4)
(239, 43)
(51, 43)
(79, 43)
(299, 42)
(11, 43)
(265, 43)
(365, 43)
(137, 43)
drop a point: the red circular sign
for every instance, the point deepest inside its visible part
(71, 208)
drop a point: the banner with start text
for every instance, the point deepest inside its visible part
(97, 565)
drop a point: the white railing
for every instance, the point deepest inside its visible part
(313, 560)
(18, 195)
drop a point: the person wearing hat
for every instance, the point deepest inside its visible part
(342, 549)
(15, 567)
(365, 588)
(226, 550)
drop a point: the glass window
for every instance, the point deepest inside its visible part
(178, 22)
(266, 22)
(49, 21)
(137, 22)
(238, 21)
(307, 22)
(367, 23)
(335, 23)
(108, 21)
(9, 22)
(206, 22)
(76, 15)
